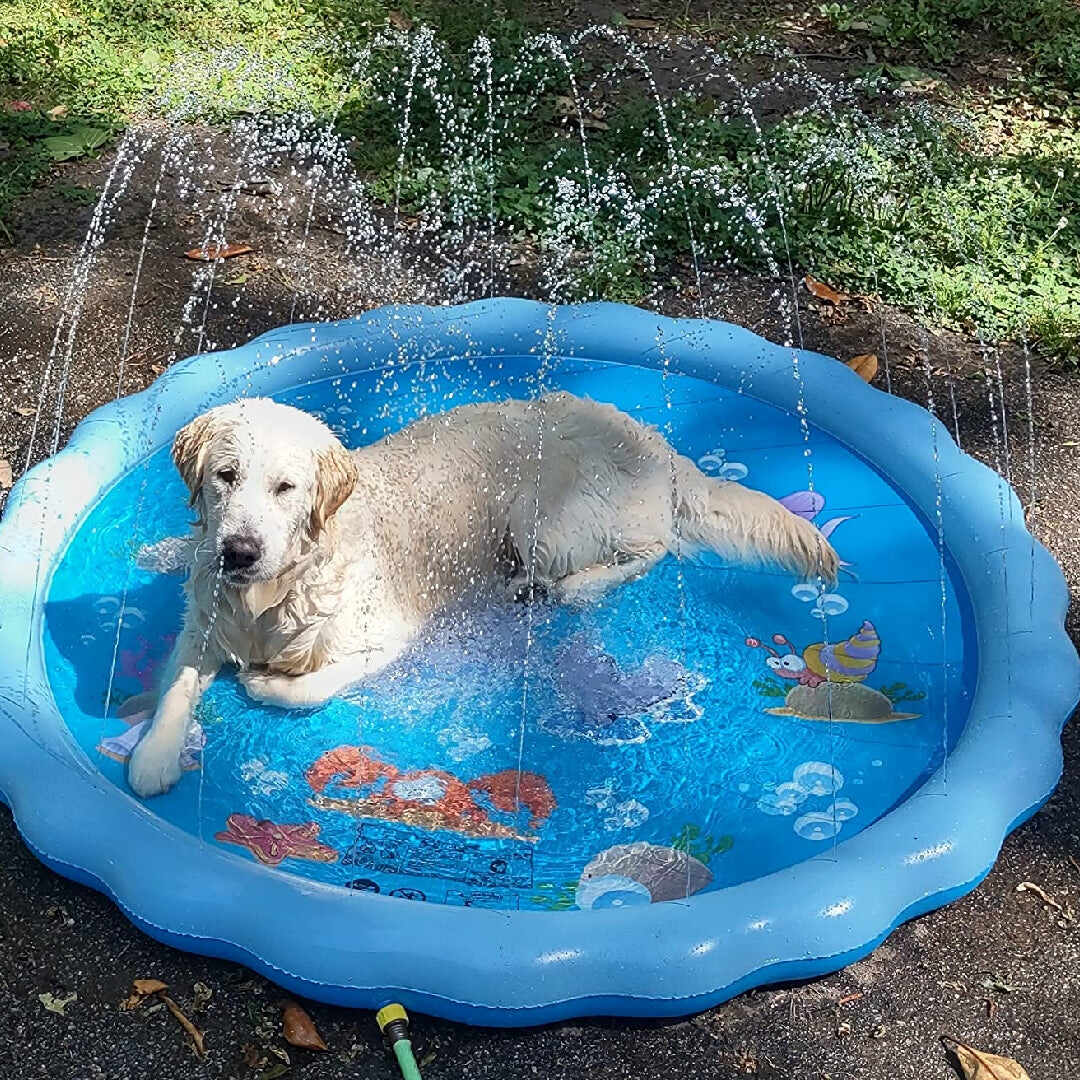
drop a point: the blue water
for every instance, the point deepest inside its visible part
(642, 720)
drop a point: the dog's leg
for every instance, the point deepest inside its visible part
(585, 586)
(317, 687)
(155, 762)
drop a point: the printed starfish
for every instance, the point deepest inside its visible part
(271, 843)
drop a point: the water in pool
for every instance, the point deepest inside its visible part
(670, 739)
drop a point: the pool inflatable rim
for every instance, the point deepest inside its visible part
(498, 967)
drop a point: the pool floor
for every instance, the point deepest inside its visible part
(651, 746)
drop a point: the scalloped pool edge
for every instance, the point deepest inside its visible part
(523, 968)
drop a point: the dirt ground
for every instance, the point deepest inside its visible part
(999, 968)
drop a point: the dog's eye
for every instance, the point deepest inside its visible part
(227, 476)
(284, 487)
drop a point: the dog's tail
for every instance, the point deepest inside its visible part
(748, 526)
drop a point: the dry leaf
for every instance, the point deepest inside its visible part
(203, 994)
(399, 20)
(637, 23)
(823, 292)
(1039, 891)
(6, 478)
(217, 251)
(24, 410)
(299, 1029)
(143, 989)
(976, 1065)
(57, 111)
(56, 1004)
(188, 1026)
(865, 365)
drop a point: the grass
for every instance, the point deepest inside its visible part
(955, 203)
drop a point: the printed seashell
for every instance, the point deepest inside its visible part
(846, 661)
(667, 873)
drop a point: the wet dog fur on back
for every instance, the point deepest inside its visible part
(313, 567)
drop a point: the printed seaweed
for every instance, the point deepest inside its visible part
(769, 688)
(556, 897)
(899, 692)
(702, 848)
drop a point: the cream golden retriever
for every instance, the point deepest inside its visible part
(313, 567)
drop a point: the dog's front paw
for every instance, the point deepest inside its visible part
(154, 768)
(270, 689)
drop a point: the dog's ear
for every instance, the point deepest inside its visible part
(335, 478)
(189, 451)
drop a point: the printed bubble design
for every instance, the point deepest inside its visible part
(810, 780)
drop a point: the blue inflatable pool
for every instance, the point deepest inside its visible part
(712, 778)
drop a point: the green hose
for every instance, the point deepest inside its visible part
(393, 1022)
(403, 1053)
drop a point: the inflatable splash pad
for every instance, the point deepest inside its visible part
(711, 778)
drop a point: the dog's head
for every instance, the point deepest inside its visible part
(266, 480)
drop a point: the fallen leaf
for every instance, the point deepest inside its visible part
(273, 1072)
(977, 1065)
(56, 1004)
(188, 1026)
(217, 251)
(24, 410)
(252, 1058)
(823, 292)
(299, 1029)
(399, 20)
(865, 365)
(149, 986)
(637, 23)
(5, 474)
(57, 111)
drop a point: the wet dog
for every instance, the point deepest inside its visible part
(312, 567)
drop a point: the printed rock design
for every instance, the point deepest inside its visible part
(641, 873)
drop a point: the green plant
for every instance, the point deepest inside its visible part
(839, 16)
(77, 195)
(1045, 32)
(32, 141)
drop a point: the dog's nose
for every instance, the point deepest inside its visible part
(241, 552)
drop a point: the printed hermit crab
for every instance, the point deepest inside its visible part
(851, 660)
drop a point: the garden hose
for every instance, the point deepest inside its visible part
(393, 1022)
